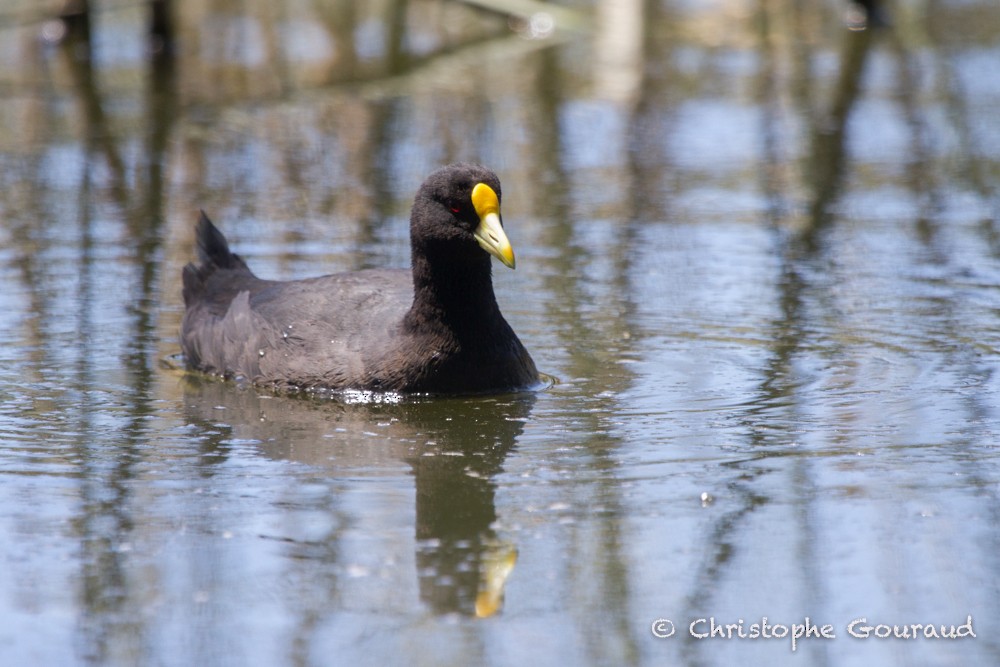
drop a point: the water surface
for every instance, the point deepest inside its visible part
(758, 250)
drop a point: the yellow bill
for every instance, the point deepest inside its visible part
(489, 233)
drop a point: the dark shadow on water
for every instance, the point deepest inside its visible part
(452, 447)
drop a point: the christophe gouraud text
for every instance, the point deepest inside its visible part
(859, 628)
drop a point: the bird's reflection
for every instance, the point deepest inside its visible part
(453, 447)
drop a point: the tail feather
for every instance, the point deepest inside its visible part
(213, 249)
(214, 255)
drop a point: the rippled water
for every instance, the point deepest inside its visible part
(758, 251)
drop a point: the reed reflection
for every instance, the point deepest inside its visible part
(771, 418)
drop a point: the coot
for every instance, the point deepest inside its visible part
(435, 328)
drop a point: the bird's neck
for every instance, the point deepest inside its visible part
(457, 294)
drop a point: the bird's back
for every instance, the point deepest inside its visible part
(300, 333)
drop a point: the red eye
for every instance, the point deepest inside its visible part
(455, 209)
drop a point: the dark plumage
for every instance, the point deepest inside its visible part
(435, 328)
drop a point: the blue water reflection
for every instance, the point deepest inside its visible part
(758, 250)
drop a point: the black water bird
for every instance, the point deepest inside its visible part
(435, 328)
